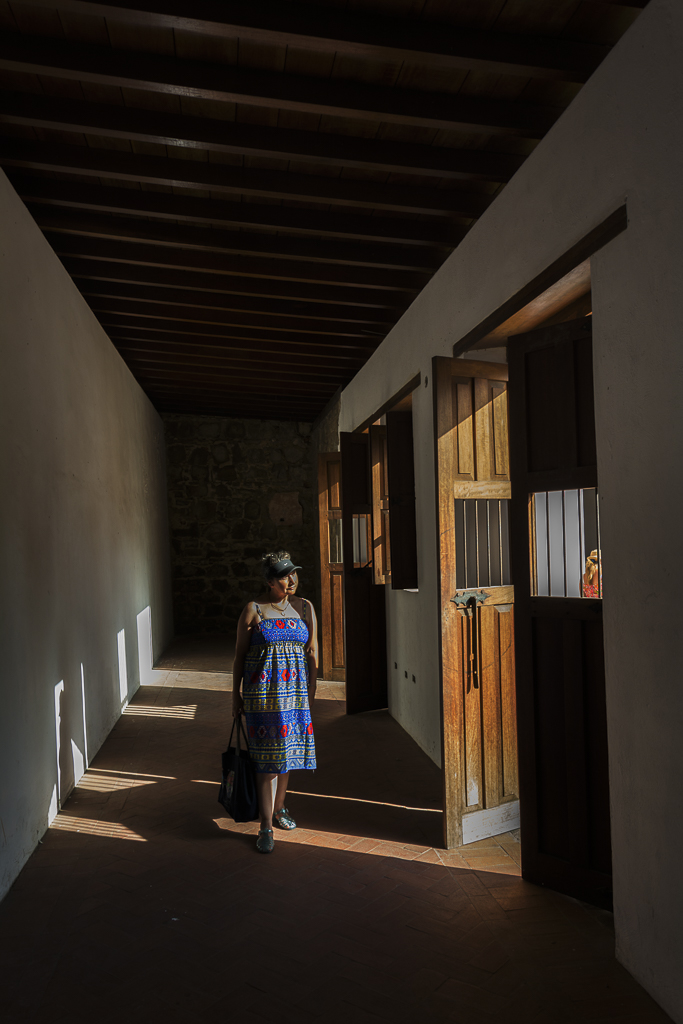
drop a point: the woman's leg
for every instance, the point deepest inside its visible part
(264, 787)
(281, 791)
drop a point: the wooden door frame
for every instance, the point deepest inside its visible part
(450, 654)
(364, 600)
(326, 611)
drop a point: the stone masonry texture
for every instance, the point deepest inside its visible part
(237, 488)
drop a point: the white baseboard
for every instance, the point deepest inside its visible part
(482, 824)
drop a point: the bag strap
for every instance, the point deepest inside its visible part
(234, 723)
(237, 721)
(242, 729)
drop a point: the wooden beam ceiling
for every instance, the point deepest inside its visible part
(371, 36)
(210, 81)
(250, 194)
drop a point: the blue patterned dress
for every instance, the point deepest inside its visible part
(275, 692)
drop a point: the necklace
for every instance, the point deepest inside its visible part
(281, 610)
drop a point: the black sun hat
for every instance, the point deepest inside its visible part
(283, 568)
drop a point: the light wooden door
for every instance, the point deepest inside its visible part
(477, 599)
(331, 567)
(381, 553)
(364, 600)
(563, 762)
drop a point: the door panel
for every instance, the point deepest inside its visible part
(331, 567)
(401, 485)
(364, 601)
(477, 599)
(559, 649)
(381, 559)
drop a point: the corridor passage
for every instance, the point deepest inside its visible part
(143, 903)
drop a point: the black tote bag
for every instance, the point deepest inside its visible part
(238, 788)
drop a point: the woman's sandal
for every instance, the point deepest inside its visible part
(283, 819)
(265, 841)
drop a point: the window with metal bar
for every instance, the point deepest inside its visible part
(565, 544)
(482, 543)
(361, 547)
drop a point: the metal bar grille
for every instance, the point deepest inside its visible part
(567, 544)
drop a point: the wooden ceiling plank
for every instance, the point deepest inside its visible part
(335, 345)
(139, 362)
(236, 344)
(361, 303)
(222, 357)
(226, 84)
(222, 213)
(270, 386)
(373, 36)
(219, 177)
(276, 325)
(253, 312)
(414, 259)
(235, 265)
(219, 136)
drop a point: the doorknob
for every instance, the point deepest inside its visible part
(467, 603)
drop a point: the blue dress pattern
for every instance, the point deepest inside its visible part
(275, 692)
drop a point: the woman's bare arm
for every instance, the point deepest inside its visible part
(245, 624)
(312, 651)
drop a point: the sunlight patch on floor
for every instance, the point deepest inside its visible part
(100, 782)
(88, 826)
(479, 860)
(187, 711)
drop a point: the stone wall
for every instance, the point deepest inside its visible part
(237, 489)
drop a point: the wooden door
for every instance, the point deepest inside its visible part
(401, 474)
(558, 623)
(331, 567)
(477, 598)
(364, 600)
(381, 553)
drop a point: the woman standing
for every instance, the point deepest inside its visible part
(277, 655)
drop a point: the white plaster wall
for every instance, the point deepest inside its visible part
(621, 140)
(83, 532)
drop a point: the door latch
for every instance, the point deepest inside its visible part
(467, 602)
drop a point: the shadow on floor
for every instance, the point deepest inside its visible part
(144, 903)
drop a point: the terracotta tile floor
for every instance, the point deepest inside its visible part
(144, 903)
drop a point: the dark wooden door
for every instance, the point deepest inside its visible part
(555, 538)
(477, 600)
(401, 486)
(331, 567)
(364, 600)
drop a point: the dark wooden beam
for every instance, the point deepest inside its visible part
(234, 265)
(128, 69)
(236, 347)
(216, 177)
(218, 136)
(250, 293)
(274, 358)
(247, 336)
(269, 385)
(283, 315)
(323, 28)
(302, 376)
(265, 244)
(221, 213)
(102, 305)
